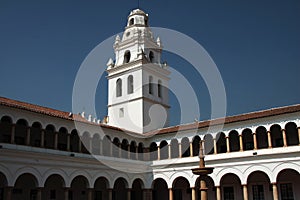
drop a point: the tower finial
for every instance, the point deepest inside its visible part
(138, 1)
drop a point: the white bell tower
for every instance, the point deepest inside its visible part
(138, 98)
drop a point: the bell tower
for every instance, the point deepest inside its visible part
(138, 98)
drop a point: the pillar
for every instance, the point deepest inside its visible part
(8, 192)
(203, 190)
(299, 134)
(68, 142)
(158, 152)
(12, 136)
(254, 141)
(218, 191)
(120, 150)
(28, 136)
(129, 152)
(269, 139)
(66, 193)
(55, 140)
(147, 194)
(193, 194)
(128, 194)
(201, 145)
(180, 150)
(284, 137)
(191, 149)
(90, 194)
(110, 191)
(39, 194)
(137, 152)
(42, 138)
(170, 194)
(227, 144)
(169, 151)
(101, 147)
(245, 192)
(79, 144)
(215, 146)
(241, 142)
(275, 192)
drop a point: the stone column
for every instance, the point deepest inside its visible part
(245, 192)
(8, 193)
(191, 149)
(12, 136)
(90, 194)
(42, 138)
(254, 141)
(100, 147)
(180, 150)
(169, 151)
(66, 193)
(203, 189)
(227, 144)
(68, 142)
(28, 136)
(284, 137)
(55, 140)
(275, 192)
(120, 150)
(170, 194)
(39, 194)
(215, 146)
(269, 139)
(137, 153)
(128, 194)
(110, 191)
(158, 152)
(147, 194)
(79, 144)
(241, 142)
(218, 191)
(193, 194)
(129, 152)
(201, 144)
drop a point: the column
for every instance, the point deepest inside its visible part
(90, 194)
(55, 140)
(299, 134)
(201, 144)
(158, 152)
(42, 138)
(241, 142)
(129, 152)
(169, 151)
(269, 139)
(68, 142)
(191, 149)
(254, 141)
(203, 189)
(227, 144)
(66, 193)
(39, 194)
(79, 144)
(215, 146)
(275, 192)
(284, 137)
(245, 192)
(180, 150)
(170, 194)
(12, 136)
(101, 147)
(137, 153)
(218, 191)
(28, 136)
(8, 192)
(120, 150)
(110, 191)
(147, 194)
(128, 194)
(193, 194)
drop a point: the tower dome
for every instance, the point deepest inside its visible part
(137, 17)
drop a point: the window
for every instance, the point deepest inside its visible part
(121, 112)
(151, 56)
(159, 92)
(130, 84)
(127, 57)
(150, 85)
(119, 87)
(286, 191)
(228, 193)
(258, 192)
(131, 22)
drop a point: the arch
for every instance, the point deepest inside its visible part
(49, 136)
(160, 189)
(120, 189)
(234, 142)
(62, 139)
(131, 21)
(116, 147)
(221, 143)
(127, 56)
(256, 168)
(261, 137)
(208, 144)
(248, 142)
(54, 187)
(25, 187)
(163, 150)
(159, 89)
(153, 151)
(258, 184)
(6, 119)
(231, 186)
(35, 134)
(185, 147)
(133, 148)
(288, 183)
(276, 136)
(79, 188)
(74, 141)
(150, 86)
(232, 170)
(124, 148)
(86, 142)
(3, 184)
(106, 146)
(211, 194)
(283, 166)
(6, 129)
(137, 189)
(292, 136)
(28, 170)
(55, 171)
(174, 148)
(141, 151)
(196, 145)
(96, 144)
(151, 56)
(119, 87)
(130, 84)
(181, 188)
(21, 132)
(101, 186)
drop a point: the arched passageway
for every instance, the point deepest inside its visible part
(3, 184)
(208, 144)
(259, 187)
(25, 188)
(160, 190)
(6, 129)
(231, 187)
(101, 189)
(79, 188)
(137, 190)
(288, 183)
(211, 193)
(181, 189)
(54, 188)
(120, 191)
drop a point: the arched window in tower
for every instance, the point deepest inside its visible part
(127, 57)
(130, 84)
(119, 87)
(151, 56)
(131, 22)
(150, 85)
(159, 89)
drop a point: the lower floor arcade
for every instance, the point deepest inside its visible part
(230, 187)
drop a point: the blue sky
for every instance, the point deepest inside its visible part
(255, 44)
